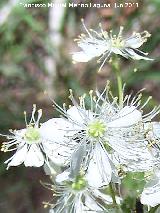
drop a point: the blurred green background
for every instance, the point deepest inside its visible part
(35, 55)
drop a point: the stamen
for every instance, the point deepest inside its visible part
(91, 99)
(33, 114)
(82, 20)
(120, 31)
(149, 98)
(111, 34)
(107, 52)
(25, 118)
(104, 33)
(39, 117)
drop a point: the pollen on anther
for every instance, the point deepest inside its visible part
(90, 92)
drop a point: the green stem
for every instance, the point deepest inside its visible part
(116, 68)
(120, 88)
(112, 192)
(154, 209)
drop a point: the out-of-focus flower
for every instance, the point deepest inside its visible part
(103, 44)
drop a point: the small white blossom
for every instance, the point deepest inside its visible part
(28, 143)
(103, 44)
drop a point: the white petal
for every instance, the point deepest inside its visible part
(91, 45)
(156, 128)
(128, 116)
(62, 177)
(18, 157)
(117, 51)
(81, 57)
(150, 199)
(134, 42)
(34, 157)
(133, 163)
(21, 132)
(151, 193)
(78, 204)
(76, 114)
(55, 129)
(99, 167)
(133, 154)
(91, 205)
(91, 48)
(136, 56)
(79, 115)
(54, 133)
(106, 198)
(58, 154)
(94, 47)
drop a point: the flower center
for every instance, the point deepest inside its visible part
(117, 42)
(79, 184)
(96, 129)
(32, 135)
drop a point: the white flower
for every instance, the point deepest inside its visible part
(108, 130)
(103, 44)
(77, 195)
(120, 131)
(28, 144)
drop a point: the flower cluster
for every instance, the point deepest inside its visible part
(96, 140)
(92, 140)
